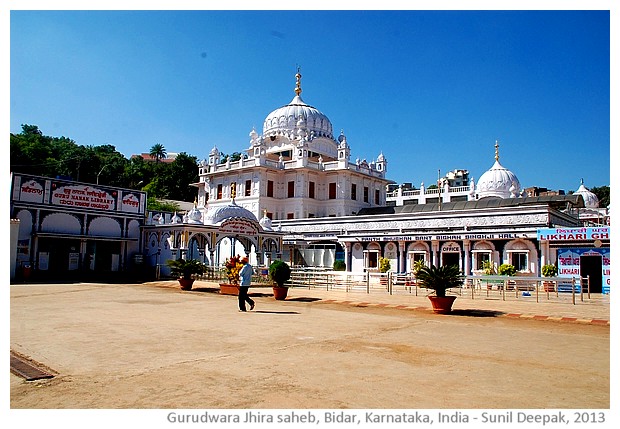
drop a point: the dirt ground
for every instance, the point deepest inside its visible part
(140, 347)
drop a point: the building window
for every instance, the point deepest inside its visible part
(372, 260)
(377, 194)
(332, 191)
(311, 190)
(290, 215)
(365, 194)
(291, 189)
(270, 188)
(519, 260)
(353, 191)
(482, 258)
(248, 188)
(219, 191)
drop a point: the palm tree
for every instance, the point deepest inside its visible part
(158, 151)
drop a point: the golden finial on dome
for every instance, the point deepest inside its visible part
(298, 78)
(496, 150)
(233, 190)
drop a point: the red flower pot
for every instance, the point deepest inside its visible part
(229, 289)
(442, 304)
(186, 284)
(280, 293)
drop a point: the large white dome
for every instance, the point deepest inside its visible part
(589, 198)
(283, 120)
(498, 181)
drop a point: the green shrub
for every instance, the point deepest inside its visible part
(340, 265)
(506, 270)
(549, 270)
(279, 272)
(384, 265)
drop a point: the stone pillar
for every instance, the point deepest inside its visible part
(402, 257)
(435, 250)
(467, 251)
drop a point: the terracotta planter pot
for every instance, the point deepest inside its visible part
(186, 284)
(229, 289)
(280, 293)
(442, 304)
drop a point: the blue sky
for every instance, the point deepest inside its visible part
(432, 90)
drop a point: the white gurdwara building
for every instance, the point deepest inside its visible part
(296, 169)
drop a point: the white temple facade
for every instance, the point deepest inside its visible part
(295, 169)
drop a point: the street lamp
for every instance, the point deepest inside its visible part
(100, 171)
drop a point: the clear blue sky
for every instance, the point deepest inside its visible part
(432, 90)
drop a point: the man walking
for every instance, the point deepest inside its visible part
(245, 275)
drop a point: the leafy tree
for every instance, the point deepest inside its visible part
(602, 193)
(235, 156)
(177, 177)
(161, 206)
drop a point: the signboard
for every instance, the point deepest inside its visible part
(74, 261)
(31, 191)
(83, 196)
(573, 234)
(450, 247)
(450, 237)
(130, 203)
(64, 193)
(238, 226)
(569, 263)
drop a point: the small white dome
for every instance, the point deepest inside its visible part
(498, 181)
(589, 198)
(265, 222)
(194, 216)
(218, 214)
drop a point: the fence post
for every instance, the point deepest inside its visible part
(573, 290)
(504, 290)
(367, 281)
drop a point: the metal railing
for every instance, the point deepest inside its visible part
(474, 287)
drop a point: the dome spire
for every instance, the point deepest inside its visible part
(298, 83)
(497, 150)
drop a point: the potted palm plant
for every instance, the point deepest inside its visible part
(279, 273)
(439, 279)
(184, 269)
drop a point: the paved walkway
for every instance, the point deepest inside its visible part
(593, 310)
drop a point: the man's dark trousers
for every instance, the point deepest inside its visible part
(243, 297)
